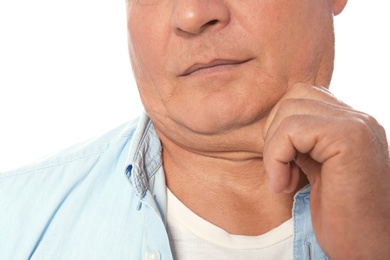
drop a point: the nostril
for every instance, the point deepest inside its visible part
(212, 22)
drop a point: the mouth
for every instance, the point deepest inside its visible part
(215, 64)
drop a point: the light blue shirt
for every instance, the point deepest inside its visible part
(104, 199)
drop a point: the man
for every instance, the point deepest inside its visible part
(243, 153)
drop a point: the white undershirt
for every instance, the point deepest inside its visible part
(192, 237)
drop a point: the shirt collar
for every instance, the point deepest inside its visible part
(144, 158)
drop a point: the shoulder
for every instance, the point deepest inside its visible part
(81, 153)
(67, 195)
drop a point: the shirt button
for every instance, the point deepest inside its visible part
(152, 254)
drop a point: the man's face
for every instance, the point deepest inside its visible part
(213, 66)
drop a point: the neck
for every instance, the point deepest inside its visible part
(228, 189)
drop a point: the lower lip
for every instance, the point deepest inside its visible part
(218, 69)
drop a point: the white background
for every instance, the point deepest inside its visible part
(65, 75)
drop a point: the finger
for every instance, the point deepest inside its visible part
(277, 163)
(304, 92)
(297, 135)
(294, 178)
(292, 107)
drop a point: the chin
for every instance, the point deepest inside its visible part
(213, 122)
(218, 114)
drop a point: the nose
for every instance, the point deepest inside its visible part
(196, 16)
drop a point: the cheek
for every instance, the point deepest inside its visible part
(141, 50)
(147, 71)
(147, 42)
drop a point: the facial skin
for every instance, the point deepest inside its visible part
(268, 46)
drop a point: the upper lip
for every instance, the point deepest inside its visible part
(214, 63)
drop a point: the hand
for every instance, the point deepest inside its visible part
(345, 156)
